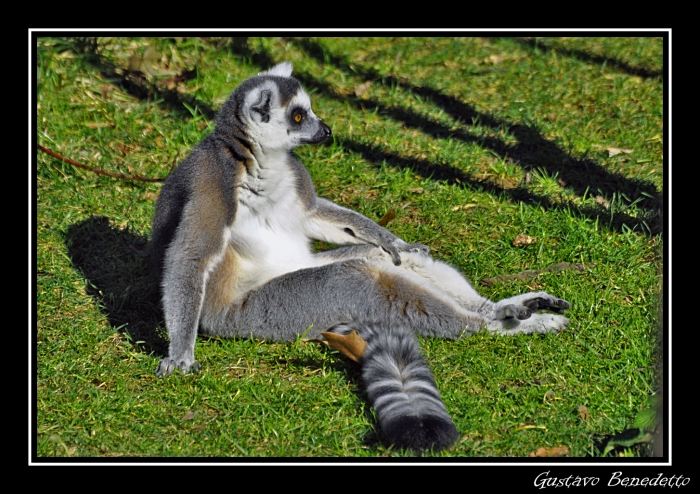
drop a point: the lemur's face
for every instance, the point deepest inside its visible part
(279, 115)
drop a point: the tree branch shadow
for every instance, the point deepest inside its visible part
(533, 44)
(137, 84)
(532, 150)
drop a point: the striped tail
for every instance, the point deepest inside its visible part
(402, 391)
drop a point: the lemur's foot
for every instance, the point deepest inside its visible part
(523, 306)
(168, 365)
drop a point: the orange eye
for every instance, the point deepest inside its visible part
(297, 117)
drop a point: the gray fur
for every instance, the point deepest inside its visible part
(231, 243)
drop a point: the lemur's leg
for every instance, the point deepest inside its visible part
(351, 291)
(442, 278)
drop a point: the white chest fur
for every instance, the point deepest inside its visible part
(268, 233)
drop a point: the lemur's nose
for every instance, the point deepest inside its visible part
(326, 130)
(323, 133)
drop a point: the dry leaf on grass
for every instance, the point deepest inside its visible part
(361, 88)
(522, 240)
(602, 201)
(351, 345)
(187, 416)
(98, 125)
(463, 206)
(495, 59)
(105, 89)
(549, 452)
(145, 64)
(615, 151)
(387, 218)
(583, 412)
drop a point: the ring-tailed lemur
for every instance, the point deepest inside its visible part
(232, 241)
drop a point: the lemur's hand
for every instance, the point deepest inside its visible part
(395, 247)
(418, 248)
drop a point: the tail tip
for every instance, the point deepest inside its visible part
(420, 433)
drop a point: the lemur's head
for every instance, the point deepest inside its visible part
(273, 111)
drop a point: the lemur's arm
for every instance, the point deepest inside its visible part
(335, 224)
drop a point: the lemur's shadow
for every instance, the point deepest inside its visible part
(119, 280)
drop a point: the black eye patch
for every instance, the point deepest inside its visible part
(298, 115)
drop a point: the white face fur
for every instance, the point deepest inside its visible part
(276, 132)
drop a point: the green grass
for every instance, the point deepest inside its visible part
(472, 141)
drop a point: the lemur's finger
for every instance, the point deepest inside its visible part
(394, 253)
(422, 249)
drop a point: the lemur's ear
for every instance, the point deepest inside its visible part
(261, 110)
(283, 69)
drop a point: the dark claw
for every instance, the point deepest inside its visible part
(532, 304)
(526, 314)
(164, 368)
(543, 304)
